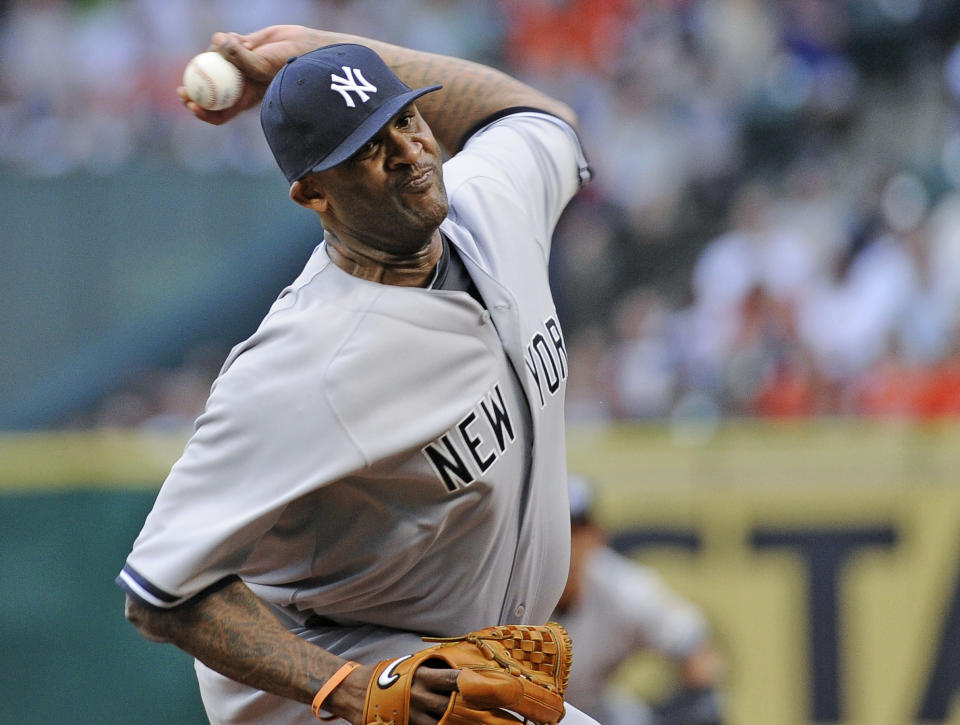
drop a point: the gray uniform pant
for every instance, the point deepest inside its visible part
(230, 703)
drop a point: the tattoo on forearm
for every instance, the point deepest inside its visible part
(234, 634)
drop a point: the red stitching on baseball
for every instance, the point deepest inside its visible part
(211, 89)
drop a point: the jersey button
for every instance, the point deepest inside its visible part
(484, 317)
(518, 612)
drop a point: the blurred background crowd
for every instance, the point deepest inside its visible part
(774, 225)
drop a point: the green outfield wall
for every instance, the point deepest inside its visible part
(68, 655)
(826, 556)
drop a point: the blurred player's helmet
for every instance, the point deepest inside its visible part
(580, 490)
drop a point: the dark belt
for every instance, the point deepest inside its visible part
(318, 620)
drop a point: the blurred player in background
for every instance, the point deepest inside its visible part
(614, 608)
(384, 458)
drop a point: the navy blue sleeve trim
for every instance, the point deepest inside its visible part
(584, 174)
(144, 583)
(152, 596)
(502, 113)
(215, 587)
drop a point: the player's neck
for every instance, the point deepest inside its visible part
(377, 265)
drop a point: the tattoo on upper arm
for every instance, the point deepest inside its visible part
(471, 92)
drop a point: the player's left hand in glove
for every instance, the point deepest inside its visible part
(508, 674)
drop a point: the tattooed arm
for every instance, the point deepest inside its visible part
(471, 92)
(232, 632)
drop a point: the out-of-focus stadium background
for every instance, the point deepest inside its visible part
(760, 294)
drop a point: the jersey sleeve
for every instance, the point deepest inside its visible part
(254, 452)
(535, 158)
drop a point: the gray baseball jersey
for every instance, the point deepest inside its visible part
(379, 462)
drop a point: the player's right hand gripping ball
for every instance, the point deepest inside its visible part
(505, 672)
(212, 81)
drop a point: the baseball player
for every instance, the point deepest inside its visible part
(614, 607)
(384, 458)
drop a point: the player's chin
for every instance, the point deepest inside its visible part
(428, 207)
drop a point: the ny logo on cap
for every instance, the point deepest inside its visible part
(344, 86)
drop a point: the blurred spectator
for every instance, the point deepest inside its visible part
(640, 361)
(588, 395)
(161, 399)
(737, 146)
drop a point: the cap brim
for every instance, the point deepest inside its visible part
(368, 129)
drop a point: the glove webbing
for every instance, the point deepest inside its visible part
(536, 647)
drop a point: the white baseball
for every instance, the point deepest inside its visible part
(212, 81)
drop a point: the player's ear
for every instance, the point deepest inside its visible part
(309, 194)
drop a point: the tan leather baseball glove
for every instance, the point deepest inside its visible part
(508, 674)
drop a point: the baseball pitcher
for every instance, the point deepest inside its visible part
(370, 520)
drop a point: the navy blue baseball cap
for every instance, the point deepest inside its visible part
(324, 105)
